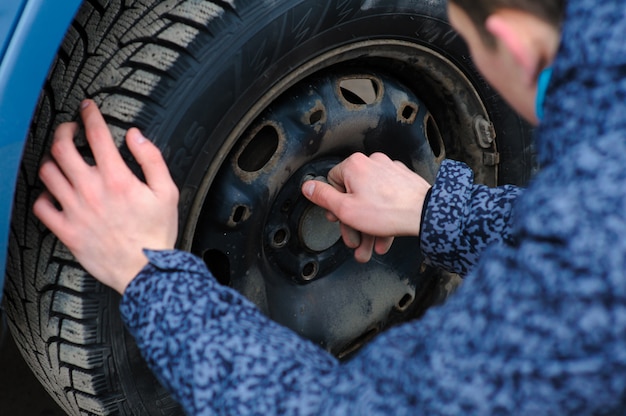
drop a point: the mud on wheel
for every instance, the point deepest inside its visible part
(247, 99)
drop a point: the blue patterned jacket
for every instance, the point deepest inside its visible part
(538, 327)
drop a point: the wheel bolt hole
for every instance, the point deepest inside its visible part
(259, 149)
(316, 117)
(240, 213)
(309, 270)
(280, 238)
(286, 206)
(405, 302)
(409, 112)
(359, 91)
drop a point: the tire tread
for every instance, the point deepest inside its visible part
(122, 53)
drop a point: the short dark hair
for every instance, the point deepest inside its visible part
(550, 11)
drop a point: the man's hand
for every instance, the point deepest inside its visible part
(374, 198)
(107, 216)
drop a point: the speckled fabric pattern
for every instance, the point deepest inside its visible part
(214, 349)
(537, 328)
(463, 219)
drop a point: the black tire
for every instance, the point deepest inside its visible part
(194, 76)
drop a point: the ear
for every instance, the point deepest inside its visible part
(506, 28)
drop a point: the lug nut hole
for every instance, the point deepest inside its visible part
(286, 206)
(309, 270)
(405, 302)
(280, 238)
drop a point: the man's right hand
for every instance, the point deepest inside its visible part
(374, 198)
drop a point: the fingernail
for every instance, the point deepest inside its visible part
(84, 104)
(139, 137)
(308, 188)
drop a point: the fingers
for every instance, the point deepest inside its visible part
(57, 184)
(323, 194)
(64, 152)
(350, 236)
(70, 163)
(363, 253)
(104, 150)
(331, 217)
(364, 244)
(337, 175)
(49, 215)
(383, 244)
(151, 161)
(99, 137)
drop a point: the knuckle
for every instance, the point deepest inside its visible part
(380, 157)
(116, 182)
(356, 159)
(45, 170)
(90, 196)
(57, 148)
(39, 206)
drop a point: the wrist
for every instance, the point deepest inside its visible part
(124, 275)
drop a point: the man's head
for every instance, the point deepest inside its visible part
(511, 42)
(550, 11)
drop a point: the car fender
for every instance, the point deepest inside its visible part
(30, 34)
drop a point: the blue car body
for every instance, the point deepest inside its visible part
(30, 34)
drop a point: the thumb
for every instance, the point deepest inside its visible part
(322, 194)
(150, 159)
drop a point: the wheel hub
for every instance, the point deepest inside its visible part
(316, 232)
(260, 235)
(301, 240)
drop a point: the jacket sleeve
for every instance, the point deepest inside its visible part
(461, 219)
(558, 351)
(213, 349)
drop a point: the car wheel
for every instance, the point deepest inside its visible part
(246, 99)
